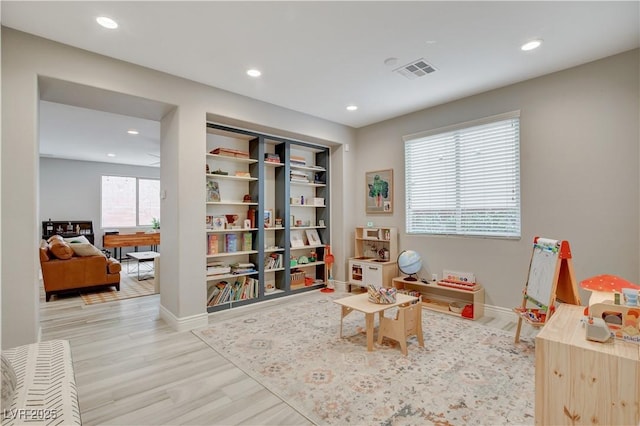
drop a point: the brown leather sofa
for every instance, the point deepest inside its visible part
(63, 270)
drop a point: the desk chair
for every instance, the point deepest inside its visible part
(408, 322)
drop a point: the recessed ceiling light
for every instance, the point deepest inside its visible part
(111, 154)
(390, 61)
(133, 131)
(254, 73)
(533, 44)
(107, 22)
(352, 107)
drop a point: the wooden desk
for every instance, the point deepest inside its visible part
(117, 241)
(361, 303)
(584, 382)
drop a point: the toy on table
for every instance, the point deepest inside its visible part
(622, 321)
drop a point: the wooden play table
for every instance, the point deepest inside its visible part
(361, 303)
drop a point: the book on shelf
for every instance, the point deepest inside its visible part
(212, 291)
(228, 152)
(212, 244)
(298, 176)
(230, 243)
(242, 268)
(216, 292)
(218, 268)
(247, 241)
(273, 261)
(271, 158)
(296, 160)
(213, 191)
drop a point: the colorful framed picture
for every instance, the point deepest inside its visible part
(219, 223)
(268, 218)
(379, 191)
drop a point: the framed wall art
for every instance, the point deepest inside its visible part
(268, 218)
(379, 191)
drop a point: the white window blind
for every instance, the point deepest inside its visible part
(465, 180)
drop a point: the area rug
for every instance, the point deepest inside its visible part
(466, 373)
(129, 288)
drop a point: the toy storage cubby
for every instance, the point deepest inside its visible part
(437, 298)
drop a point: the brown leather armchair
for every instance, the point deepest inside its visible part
(62, 271)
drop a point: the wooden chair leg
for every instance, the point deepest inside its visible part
(403, 346)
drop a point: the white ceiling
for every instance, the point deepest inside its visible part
(319, 57)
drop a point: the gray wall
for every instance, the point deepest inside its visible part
(70, 189)
(579, 175)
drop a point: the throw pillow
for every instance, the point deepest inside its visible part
(55, 238)
(85, 249)
(61, 250)
(78, 239)
(9, 383)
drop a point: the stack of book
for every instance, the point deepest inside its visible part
(242, 268)
(218, 268)
(298, 161)
(228, 152)
(298, 176)
(272, 158)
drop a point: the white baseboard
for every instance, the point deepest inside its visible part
(499, 312)
(183, 323)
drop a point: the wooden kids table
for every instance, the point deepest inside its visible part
(361, 303)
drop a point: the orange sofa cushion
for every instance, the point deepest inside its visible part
(61, 250)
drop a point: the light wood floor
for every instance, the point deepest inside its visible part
(132, 369)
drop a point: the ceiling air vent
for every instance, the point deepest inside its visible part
(417, 68)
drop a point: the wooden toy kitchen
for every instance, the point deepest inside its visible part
(376, 256)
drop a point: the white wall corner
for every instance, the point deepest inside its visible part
(184, 323)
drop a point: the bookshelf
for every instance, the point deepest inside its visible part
(280, 186)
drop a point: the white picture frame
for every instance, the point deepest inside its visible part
(296, 239)
(313, 237)
(219, 223)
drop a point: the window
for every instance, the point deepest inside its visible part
(129, 201)
(465, 179)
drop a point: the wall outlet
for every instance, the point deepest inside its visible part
(434, 277)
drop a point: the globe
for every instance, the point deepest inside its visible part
(409, 263)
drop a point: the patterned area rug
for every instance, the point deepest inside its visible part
(129, 288)
(466, 373)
